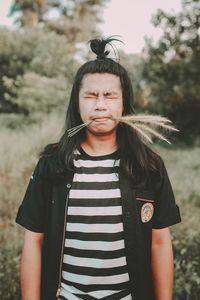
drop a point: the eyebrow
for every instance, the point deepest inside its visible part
(111, 93)
(90, 93)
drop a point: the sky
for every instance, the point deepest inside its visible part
(128, 18)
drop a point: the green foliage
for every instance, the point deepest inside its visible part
(53, 56)
(9, 266)
(36, 50)
(18, 155)
(134, 65)
(171, 68)
(77, 20)
(187, 263)
(37, 93)
(183, 166)
(36, 62)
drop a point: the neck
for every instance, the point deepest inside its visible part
(100, 145)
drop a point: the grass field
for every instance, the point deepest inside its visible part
(18, 155)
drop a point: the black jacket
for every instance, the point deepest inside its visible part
(43, 210)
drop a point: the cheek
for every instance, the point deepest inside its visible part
(117, 109)
(84, 111)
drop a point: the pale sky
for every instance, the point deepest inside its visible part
(128, 18)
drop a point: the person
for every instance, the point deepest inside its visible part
(99, 204)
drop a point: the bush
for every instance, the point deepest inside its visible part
(37, 93)
(183, 166)
(18, 155)
(187, 263)
(36, 50)
(30, 59)
(9, 266)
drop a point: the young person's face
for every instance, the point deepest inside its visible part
(100, 100)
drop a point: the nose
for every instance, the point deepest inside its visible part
(100, 104)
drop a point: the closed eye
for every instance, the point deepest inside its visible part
(91, 95)
(110, 95)
(107, 95)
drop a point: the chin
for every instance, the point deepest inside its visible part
(102, 132)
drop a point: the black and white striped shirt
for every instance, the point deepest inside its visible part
(94, 263)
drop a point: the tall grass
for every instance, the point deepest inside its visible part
(184, 170)
(19, 153)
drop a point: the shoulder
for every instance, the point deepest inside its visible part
(160, 179)
(158, 174)
(51, 164)
(160, 165)
(41, 170)
(45, 166)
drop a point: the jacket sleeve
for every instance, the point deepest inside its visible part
(31, 213)
(166, 210)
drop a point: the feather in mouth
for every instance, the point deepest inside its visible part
(146, 126)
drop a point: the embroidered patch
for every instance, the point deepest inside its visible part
(146, 212)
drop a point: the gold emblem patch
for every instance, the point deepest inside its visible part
(147, 212)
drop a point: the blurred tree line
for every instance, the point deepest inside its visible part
(172, 67)
(166, 75)
(38, 61)
(76, 19)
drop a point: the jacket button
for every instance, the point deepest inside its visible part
(68, 185)
(127, 214)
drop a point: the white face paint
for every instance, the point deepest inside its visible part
(100, 100)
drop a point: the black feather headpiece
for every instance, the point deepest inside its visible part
(98, 46)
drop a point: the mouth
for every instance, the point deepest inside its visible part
(101, 119)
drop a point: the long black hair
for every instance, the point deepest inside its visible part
(136, 158)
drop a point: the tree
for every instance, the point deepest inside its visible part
(32, 11)
(134, 65)
(171, 68)
(77, 19)
(31, 65)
